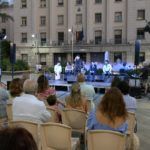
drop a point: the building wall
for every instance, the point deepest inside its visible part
(69, 10)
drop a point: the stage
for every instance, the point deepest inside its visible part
(61, 85)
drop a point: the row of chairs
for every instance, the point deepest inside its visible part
(75, 121)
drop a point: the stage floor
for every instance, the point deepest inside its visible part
(65, 86)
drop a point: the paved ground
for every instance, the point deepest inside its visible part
(143, 115)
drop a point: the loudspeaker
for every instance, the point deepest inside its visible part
(137, 52)
(12, 53)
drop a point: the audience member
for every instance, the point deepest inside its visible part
(111, 113)
(28, 107)
(15, 88)
(75, 99)
(16, 139)
(54, 104)
(43, 88)
(4, 96)
(129, 100)
(115, 81)
(87, 90)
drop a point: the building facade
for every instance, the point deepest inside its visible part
(41, 30)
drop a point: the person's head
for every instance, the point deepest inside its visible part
(16, 139)
(30, 87)
(3, 95)
(51, 100)
(112, 105)
(81, 78)
(16, 87)
(75, 98)
(25, 76)
(124, 87)
(42, 83)
(106, 61)
(115, 82)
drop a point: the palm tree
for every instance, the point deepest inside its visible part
(4, 15)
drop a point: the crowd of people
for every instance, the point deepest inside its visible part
(30, 98)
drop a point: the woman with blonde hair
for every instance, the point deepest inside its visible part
(75, 99)
(111, 113)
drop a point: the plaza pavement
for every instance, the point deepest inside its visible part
(143, 114)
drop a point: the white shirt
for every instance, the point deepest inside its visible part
(107, 68)
(57, 70)
(28, 107)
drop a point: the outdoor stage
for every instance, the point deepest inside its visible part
(61, 85)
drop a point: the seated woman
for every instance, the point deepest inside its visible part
(43, 88)
(111, 113)
(15, 88)
(75, 99)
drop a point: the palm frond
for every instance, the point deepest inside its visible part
(4, 15)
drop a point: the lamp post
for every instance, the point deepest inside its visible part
(2, 37)
(72, 40)
(36, 46)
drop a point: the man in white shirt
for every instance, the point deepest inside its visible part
(28, 107)
(57, 70)
(107, 68)
(130, 101)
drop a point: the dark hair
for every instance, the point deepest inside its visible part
(16, 87)
(80, 77)
(16, 139)
(112, 104)
(51, 100)
(42, 84)
(124, 87)
(115, 82)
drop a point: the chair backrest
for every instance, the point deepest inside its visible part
(131, 122)
(105, 140)
(32, 127)
(55, 136)
(54, 115)
(9, 111)
(74, 118)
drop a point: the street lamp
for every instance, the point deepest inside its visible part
(2, 37)
(36, 45)
(72, 40)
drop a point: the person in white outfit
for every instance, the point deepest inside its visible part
(107, 68)
(27, 107)
(57, 71)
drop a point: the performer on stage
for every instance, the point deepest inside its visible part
(68, 68)
(78, 65)
(57, 70)
(93, 69)
(107, 68)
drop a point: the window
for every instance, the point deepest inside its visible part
(60, 2)
(78, 2)
(142, 56)
(60, 19)
(43, 38)
(140, 33)
(25, 57)
(117, 56)
(23, 21)
(118, 36)
(98, 1)
(42, 3)
(118, 16)
(43, 20)
(60, 37)
(23, 3)
(98, 36)
(98, 18)
(79, 19)
(141, 14)
(24, 37)
(3, 31)
(43, 59)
